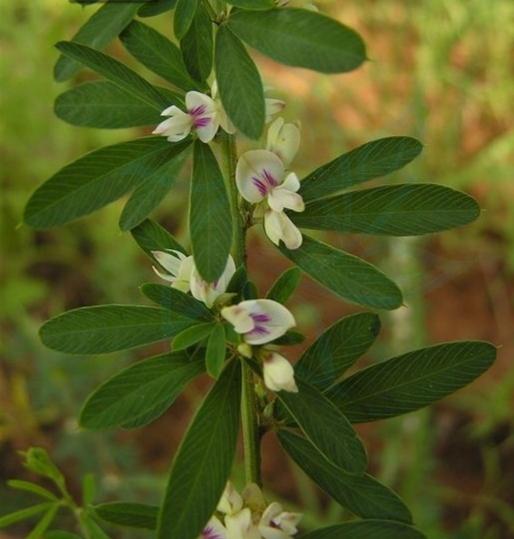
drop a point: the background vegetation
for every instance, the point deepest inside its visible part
(441, 71)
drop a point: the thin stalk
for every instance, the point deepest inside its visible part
(250, 426)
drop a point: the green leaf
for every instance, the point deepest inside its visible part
(215, 354)
(367, 529)
(177, 301)
(38, 461)
(60, 534)
(197, 46)
(300, 38)
(23, 514)
(253, 4)
(149, 194)
(157, 53)
(95, 180)
(93, 530)
(104, 105)
(284, 287)
(156, 7)
(348, 276)
(116, 72)
(44, 523)
(184, 15)
(290, 338)
(109, 328)
(210, 221)
(192, 335)
(88, 489)
(102, 27)
(131, 515)
(395, 210)
(361, 494)
(371, 160)
(337, 349)
(151, 236)
(326, 428)
(239, 84)
(204, 460)
(31, 487)
(141, 393)
(410, 381)
(238, 281)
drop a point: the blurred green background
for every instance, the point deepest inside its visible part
(440, 70)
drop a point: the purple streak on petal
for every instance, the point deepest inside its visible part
(259, 330)
(269, 178)
(263, 190)
(197, 111)
(201, 122)
(262, 318)
(210, 533)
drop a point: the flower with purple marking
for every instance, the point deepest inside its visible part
(201, 116)
(276, 523)
(259, 320)
(261, 176)
(214, 530)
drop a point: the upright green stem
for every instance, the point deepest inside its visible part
(251, 436)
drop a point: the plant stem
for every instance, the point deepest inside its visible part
(251, 435)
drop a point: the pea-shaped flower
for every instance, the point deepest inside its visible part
(283, 140)
(183, 275)
(259, 320)
(277, 523)
(178, 267)
(278, 373)
(261, 177)
(201, 116)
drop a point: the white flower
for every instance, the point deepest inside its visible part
(259, 320)
(179, 268)
(183, 275)
(241, 526)
(277, 524)
(278, 373)
(283, 140)
(260, 175)
(273, 106)
(214, 530)
(209, 292)
(201, 116)
(231, 501)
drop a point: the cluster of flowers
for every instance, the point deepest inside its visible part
(261, 175)
(258, 321)
(248, 517)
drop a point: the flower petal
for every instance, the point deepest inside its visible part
(271, 320)
(169, 260)
(209, 292)
(279, 373)
(176, 127)
(292, 183)
(214, 530)
(203, 111)
(278, 227)
(282, 198)
(240, 525)
(273, 106)
(257, 172)
(230, 501)
(283, 140)
(239, 317)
